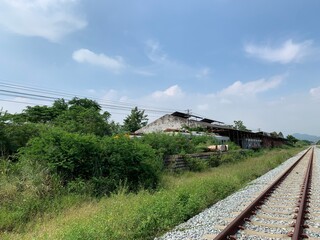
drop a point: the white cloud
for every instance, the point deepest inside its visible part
(203, 73)
(315, 92)
(251, 88)
(113, 64)
(49, 19)
(143, 73)
(287, 53)
(154, 52)
(173, 91)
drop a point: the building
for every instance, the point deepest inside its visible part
(182, 122)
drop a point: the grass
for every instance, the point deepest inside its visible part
(145, 215)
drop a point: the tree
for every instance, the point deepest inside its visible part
(291, 139)
(59, 106)
(136, 120)
(240, 126)
(274, 134)
(280, 134)
(83, 120)
(39, 114)
(85, 103)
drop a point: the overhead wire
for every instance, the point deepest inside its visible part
(59, 93)
(40, 94)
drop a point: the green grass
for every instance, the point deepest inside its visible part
(148, 214)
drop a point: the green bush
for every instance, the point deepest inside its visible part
(16, 135)
(214, 160)
(105, 162)
(196, 164)
(168, 144)
(237, 155)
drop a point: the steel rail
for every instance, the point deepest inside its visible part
(298, 229)
(238, 222)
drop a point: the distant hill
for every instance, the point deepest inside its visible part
(308, 137)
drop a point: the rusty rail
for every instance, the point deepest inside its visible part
(299, 225)
(238, 222)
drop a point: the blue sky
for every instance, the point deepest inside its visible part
(249, 60)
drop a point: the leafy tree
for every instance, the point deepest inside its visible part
(291, 139)
(59, 106)
(83, 120)
(85, 103)
(105, 162)
(39, 114)
(136, 120)
(240, 126)
(115, 128)
(318, 143)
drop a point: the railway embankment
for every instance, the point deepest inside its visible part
(148, 214)
(267, 223)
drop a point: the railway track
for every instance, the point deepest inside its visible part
(287, 209)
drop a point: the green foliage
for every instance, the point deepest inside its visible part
(196, 164)
(136, 120)
(39, 114)
(214, 160)
(115, 128)
(16, 135)
(236, 156)
(233, 146)
(302, 143)
(27, 189)
(105, 162)
(147, 215)
(79, 119)
(292, 140)
(85, 103)
(167, 144)
(240, 126)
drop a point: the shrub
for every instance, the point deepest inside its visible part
(104, 163)
(196, 164)
(131, 162)
(214, 160)
(165, 144)
(16, 135)
(236, 156)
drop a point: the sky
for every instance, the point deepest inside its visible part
(252, 60)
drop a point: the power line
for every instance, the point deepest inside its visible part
(63, 94)
(40, 94)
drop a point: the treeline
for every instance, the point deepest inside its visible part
(83, 116)
(51, 157)
(78, 146)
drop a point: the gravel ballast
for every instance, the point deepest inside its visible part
(207, 222)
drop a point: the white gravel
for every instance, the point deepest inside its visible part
(207, 221)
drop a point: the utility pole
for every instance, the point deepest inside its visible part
(188, 113)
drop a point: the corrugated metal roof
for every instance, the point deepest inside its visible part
(185, 115)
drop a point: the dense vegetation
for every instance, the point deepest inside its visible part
(64, 156)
